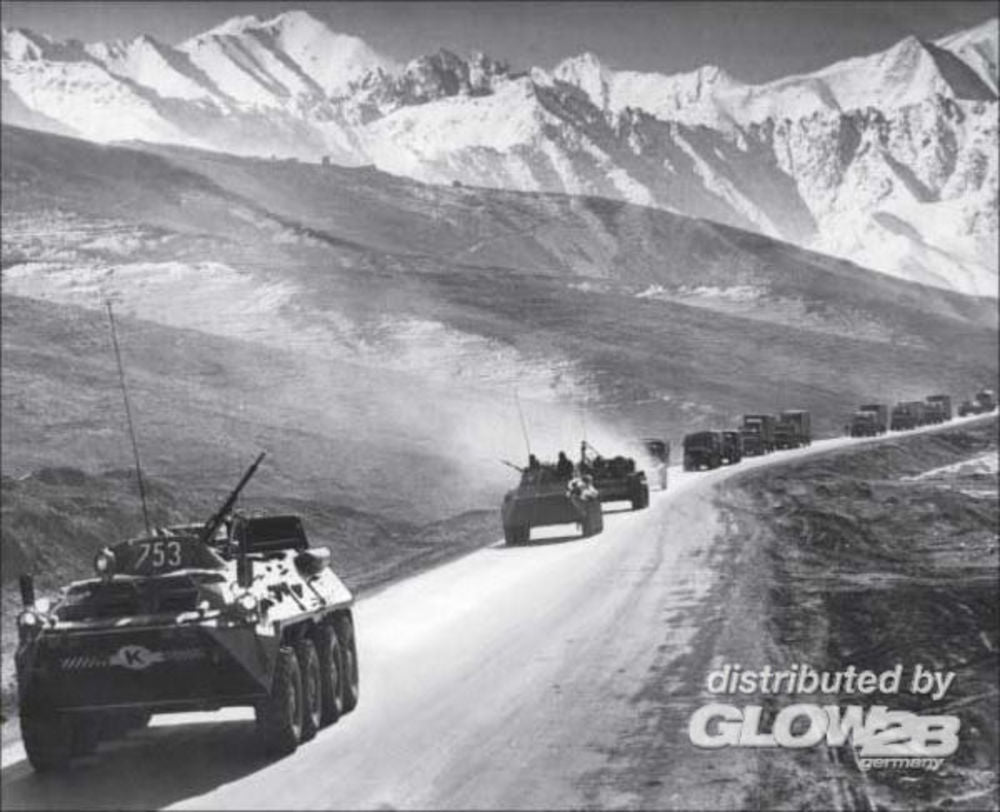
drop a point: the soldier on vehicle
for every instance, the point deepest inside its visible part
(564, 467)
(533, 463)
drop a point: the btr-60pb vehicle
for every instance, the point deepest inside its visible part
(616, 478)
(546, 497)
(238, 611)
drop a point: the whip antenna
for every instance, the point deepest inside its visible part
(128, 417)
(524, 426)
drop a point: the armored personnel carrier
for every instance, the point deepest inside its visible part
(617, 479)
(544, 497)
(238, 611)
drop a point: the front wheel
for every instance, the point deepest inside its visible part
(280, 715)
(48, 740)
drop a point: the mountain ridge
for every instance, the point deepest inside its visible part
(898, 172)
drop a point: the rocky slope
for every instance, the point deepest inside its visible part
(888, 159)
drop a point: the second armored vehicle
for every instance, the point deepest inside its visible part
(241, 612)
(543, 497)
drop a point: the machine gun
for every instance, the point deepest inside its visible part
(220, 515)
(517, 468)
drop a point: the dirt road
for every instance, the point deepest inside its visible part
(506, 679)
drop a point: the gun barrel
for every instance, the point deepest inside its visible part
(213, 523)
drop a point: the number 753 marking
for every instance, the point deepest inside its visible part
(159, 554)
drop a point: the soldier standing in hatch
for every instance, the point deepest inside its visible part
(533, 463)
(564, 468)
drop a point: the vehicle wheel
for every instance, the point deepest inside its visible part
(279, 717)
(312, 700)
(331, 674)
(512, 535)
(352, 683)
(641, 499)
(593, 520)
(48, 740)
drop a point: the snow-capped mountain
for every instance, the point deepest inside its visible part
(888, 159)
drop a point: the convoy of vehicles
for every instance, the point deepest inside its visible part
(238, 611)
(242, 610)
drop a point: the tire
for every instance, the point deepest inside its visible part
(48, 740)
(331, 671)
(641, 498)
(279, 717)
(593, 520)
(312, 700)
(514, 535)
(352, 683)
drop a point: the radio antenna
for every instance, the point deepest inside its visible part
(128, 417)
(524, 426)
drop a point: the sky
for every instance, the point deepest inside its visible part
(753, 41)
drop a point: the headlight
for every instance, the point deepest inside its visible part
(104, 563)
(28, 619)
(247, 602)
(245, 608)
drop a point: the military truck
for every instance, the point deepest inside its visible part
(793, 429)
(617, 479)
(986, 400)
(864, 424)
(732, 447)
(907, 415)
(881, 413)
(543, 497)
(757, 434)
(657, 453)
(702, 449)
(242, 610)
(938, 408)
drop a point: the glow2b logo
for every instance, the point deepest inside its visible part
(882, 738)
